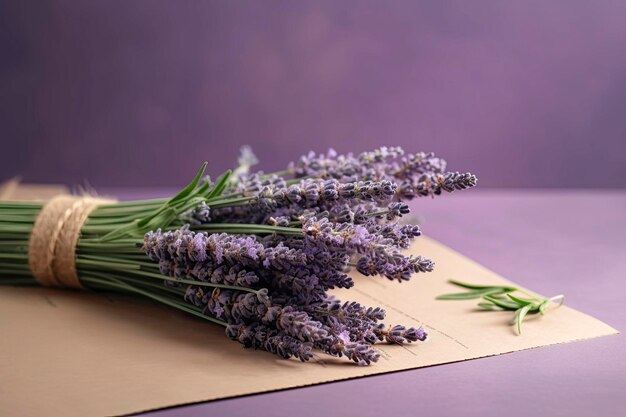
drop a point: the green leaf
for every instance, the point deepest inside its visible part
(501, 302)
(203, 188)
(489, 306)
(471, 294)
(520, 314)
(220, 185)
(521, 301)
(461, 296)
(179, 198)
(190, 187)
(481, 287)
(163, 219)
(469, 286)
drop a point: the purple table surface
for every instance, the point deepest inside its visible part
(552, 241)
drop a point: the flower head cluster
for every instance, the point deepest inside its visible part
(272, 291)
(298, 238)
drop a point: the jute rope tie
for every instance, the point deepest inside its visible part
(52, 244)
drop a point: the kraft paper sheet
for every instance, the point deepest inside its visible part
(73, 353)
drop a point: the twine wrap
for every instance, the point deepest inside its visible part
(52, 244)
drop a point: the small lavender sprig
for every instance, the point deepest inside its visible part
(498, 297)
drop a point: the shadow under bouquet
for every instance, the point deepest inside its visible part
(255, 253)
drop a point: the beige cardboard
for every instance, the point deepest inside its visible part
(74, 353)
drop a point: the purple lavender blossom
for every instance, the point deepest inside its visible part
(397, 209)
(399, 334)
(435, 184)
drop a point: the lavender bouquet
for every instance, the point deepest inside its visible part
(255, 253)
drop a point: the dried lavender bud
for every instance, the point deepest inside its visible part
(194, 295)
(234, 275)
(399, 236)
(457, 181)
(368, 190)
(397, 209)
(299, 325)
(362, 214)
(341, 213)
(434, 184)
(375, 313)
(414, 334)
(352, 309)
(399, 334)
(284, 345)
(411, 231)
(451, 181)
(361, 353)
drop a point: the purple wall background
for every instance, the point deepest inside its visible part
(524, 94)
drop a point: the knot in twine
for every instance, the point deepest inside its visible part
(52, 244)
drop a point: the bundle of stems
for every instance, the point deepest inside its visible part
(109, 253)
